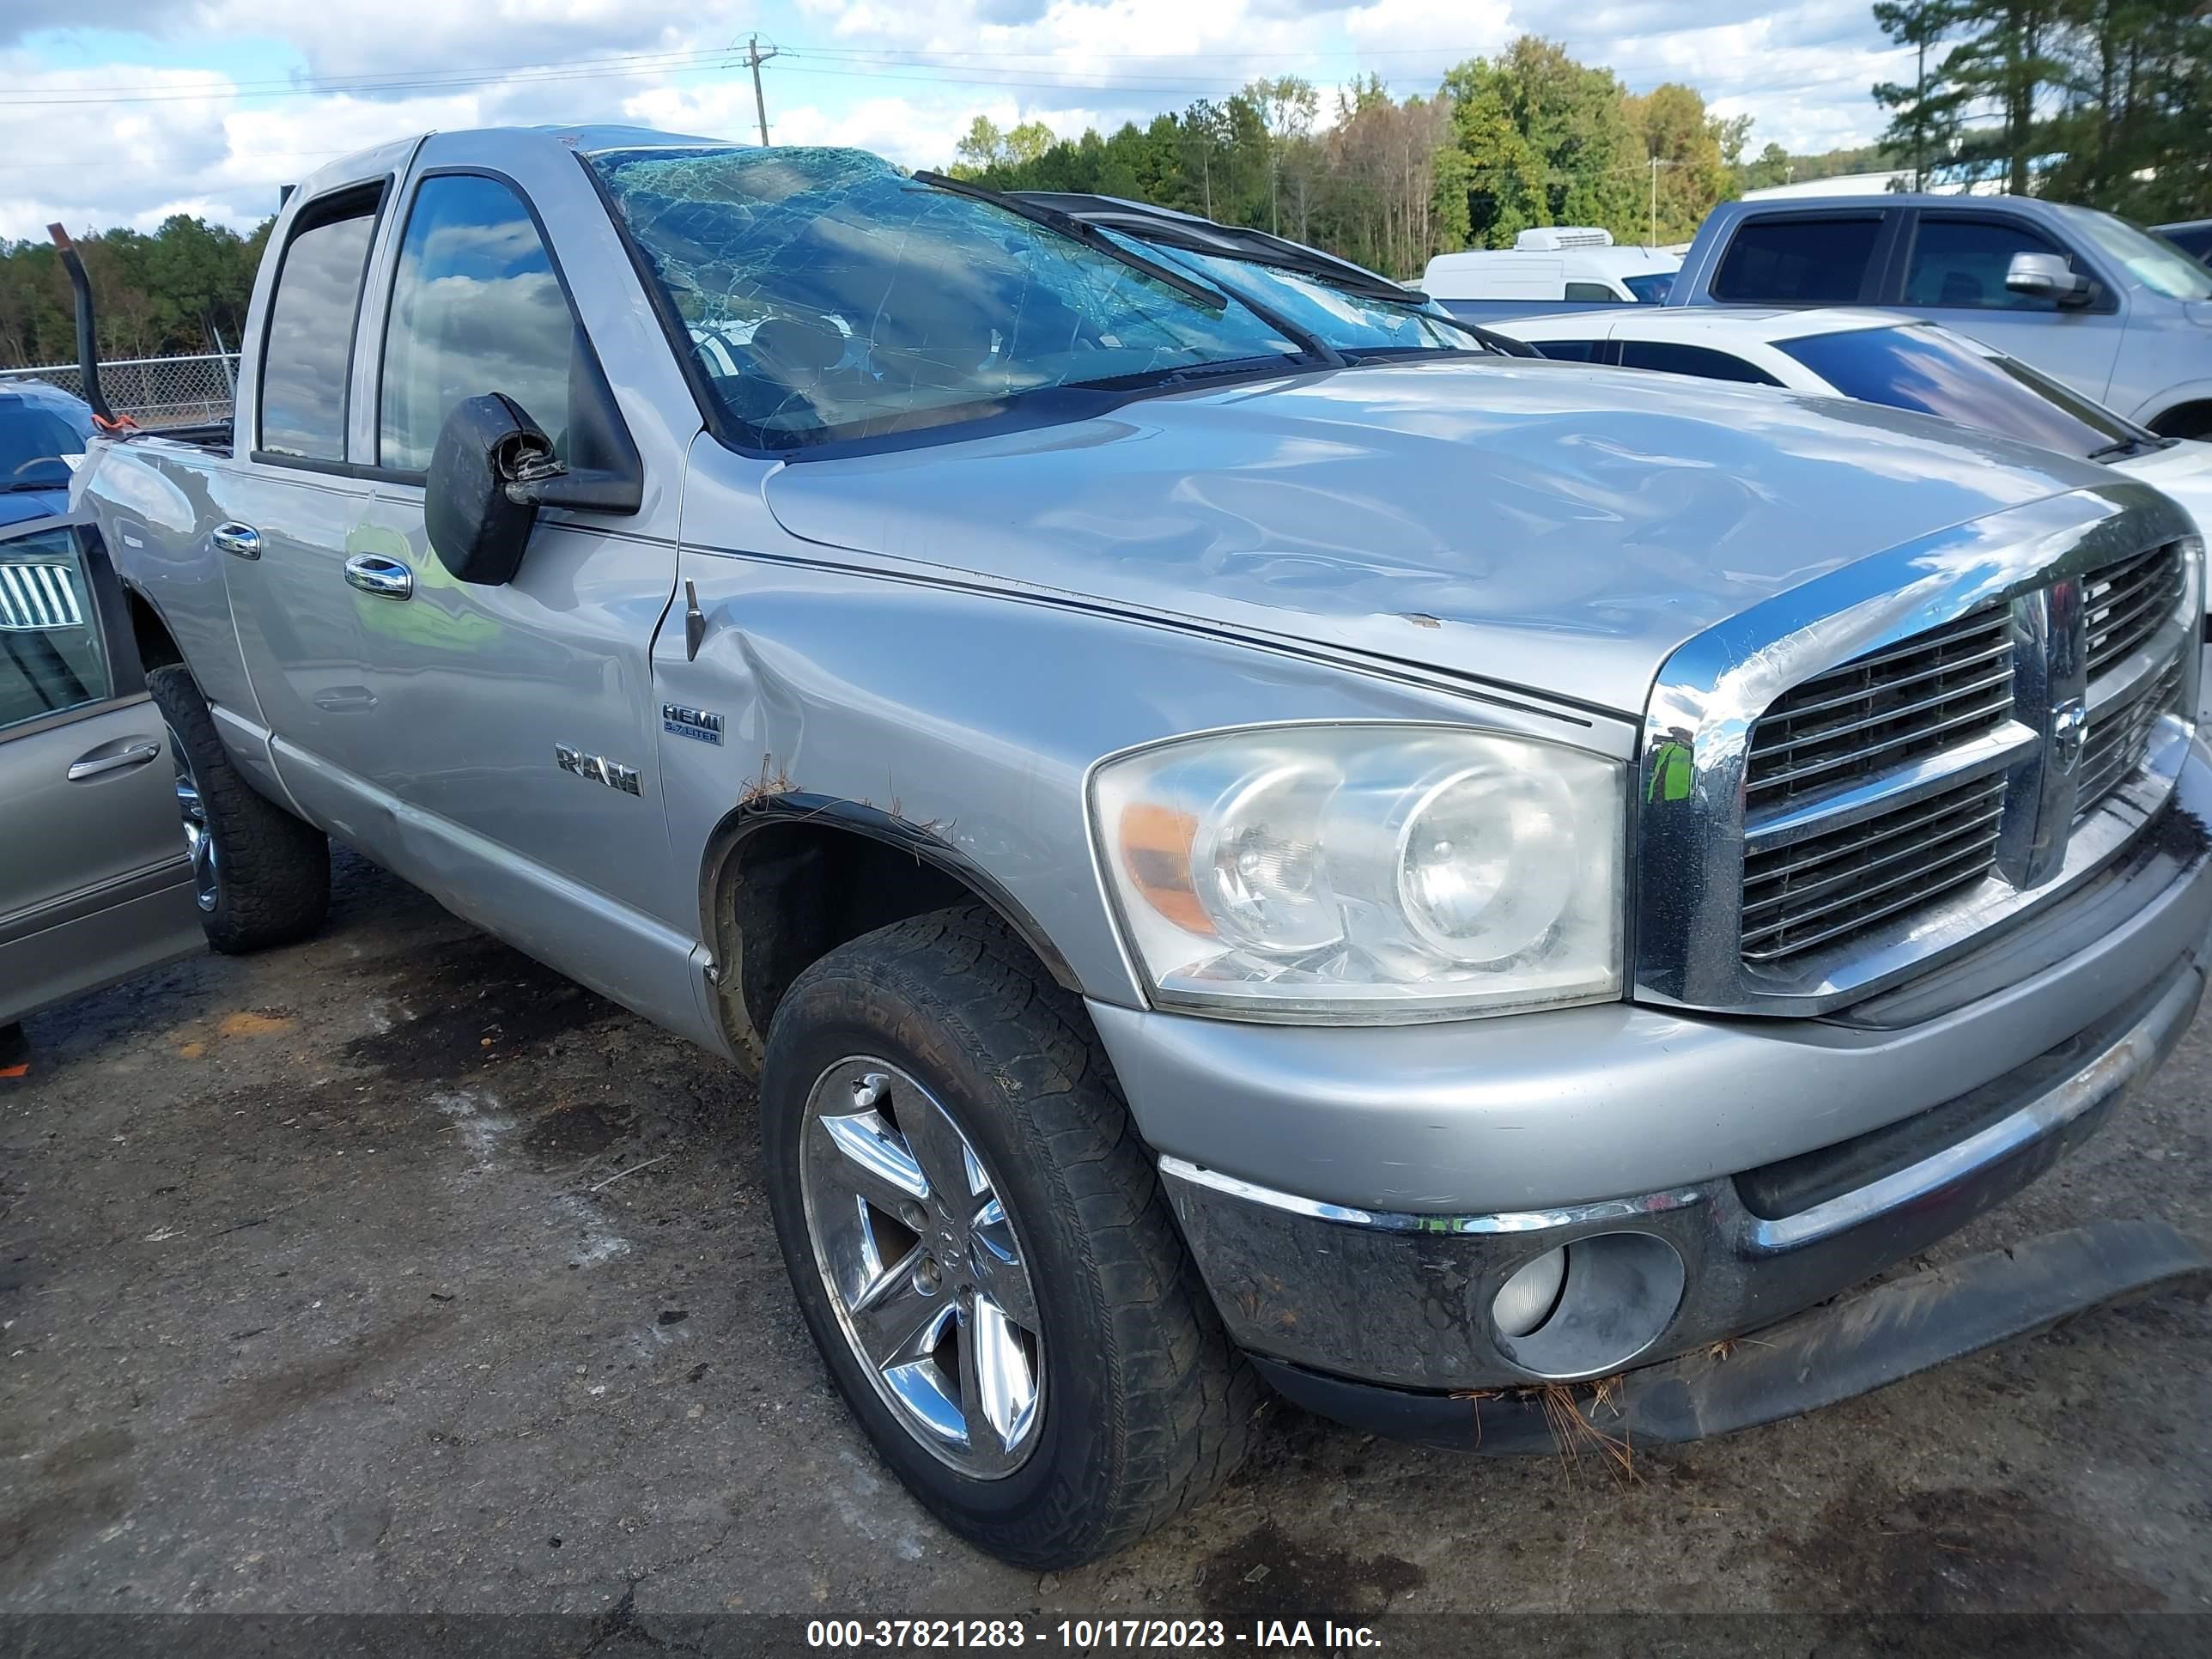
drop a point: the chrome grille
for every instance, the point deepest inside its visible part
(2126, 602)
(1809, 892)
(37, 596)
(1875, 713)
(2119, 737)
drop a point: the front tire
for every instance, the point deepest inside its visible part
(262, 877)
(980, 1245)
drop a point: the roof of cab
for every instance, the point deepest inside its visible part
(589, 138)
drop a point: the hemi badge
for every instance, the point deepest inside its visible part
(695, 723)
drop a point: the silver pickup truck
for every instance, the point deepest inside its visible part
(1447, 884)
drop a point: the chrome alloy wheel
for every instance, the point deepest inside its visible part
(930, 1283)
(199, 837)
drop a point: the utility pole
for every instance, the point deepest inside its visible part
(755, 57)
(1653, 242)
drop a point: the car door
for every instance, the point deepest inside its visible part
(94, 883)
(515, 725)
(1954, 274)
(287, 505)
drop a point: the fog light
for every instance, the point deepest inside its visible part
(1526, 1300)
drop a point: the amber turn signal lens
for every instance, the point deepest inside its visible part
(1156, 851)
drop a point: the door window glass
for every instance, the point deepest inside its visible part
(1596, 292)
(1707, 365)
(51, 655)
(476, 308)
(1961, 264)
(1810, 261)
(1570, 351)
(309, 345)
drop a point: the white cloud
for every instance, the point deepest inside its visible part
(902, 77)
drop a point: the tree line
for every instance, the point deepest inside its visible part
(184, 289)
(1530, 138)
(2107, 102)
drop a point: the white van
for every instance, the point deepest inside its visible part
(1558, 262)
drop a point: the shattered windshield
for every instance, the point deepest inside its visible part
(1345, 320)
(826, 295)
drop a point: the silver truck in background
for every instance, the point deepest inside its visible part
(2121, 316)
(1422, 877)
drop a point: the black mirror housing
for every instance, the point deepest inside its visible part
(476, 526)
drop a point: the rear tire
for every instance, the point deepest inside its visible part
(263, 877)
(1142, 1406)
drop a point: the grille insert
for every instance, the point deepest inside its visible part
(2125, 603)
(1809, 892)
(1875, 713)
(37, 596)
(2119, 737)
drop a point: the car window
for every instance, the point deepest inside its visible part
(1593, 291)
(1652, 288)
(1669, 358)
(1348, 320)
(33, 438)
(309, 347)
(1940, 373)
(1815, 262)
(51, 654)
(476, 307)
(826, 294)
(2148, 260)
(1570, 351)
(1961, 264)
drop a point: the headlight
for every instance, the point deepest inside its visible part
(1365, 873)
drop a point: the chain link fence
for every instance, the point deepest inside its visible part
(152, 390)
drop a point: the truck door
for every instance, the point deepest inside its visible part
(515, 723)
(1954, 274)
(95, 880)
(286, 503)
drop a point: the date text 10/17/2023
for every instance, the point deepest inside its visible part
(1089, 1635)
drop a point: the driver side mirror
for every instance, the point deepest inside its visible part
(2048, 277)
(494, 467)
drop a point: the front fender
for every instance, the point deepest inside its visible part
(969, 719)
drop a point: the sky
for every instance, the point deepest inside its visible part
(125, 111)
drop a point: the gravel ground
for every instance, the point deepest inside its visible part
(393, 1271)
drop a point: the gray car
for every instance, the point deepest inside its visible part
(96, 881)
(1429, 880)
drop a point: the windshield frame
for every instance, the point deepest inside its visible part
(1027, 409)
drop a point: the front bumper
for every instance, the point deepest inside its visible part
(1769, 1164)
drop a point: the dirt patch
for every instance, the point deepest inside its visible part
(470, 1005)
(578, 1128)
(1957, 1550)
(1267, 1574)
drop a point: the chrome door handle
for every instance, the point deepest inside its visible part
(373, 573)
(95, 764)
(240, 539)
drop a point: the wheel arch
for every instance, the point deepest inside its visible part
(2192, 417)
(788, 878)
(156, 639)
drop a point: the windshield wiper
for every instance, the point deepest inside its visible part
(1075, 230)
(2120, 448)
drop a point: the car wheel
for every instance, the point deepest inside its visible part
(980, 1245)
(260, 876)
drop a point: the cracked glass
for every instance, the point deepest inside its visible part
(826, 295)
(1346, 320)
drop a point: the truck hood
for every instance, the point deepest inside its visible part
(1543, 526)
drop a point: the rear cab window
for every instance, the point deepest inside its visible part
(1807, 262)
(306, 348)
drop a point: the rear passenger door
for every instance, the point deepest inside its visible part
(1830, 257)
(94, 883)
(1954, 274)
(287, 504)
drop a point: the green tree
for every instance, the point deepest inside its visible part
(1923, 121)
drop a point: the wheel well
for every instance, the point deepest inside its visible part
(788, 890)
(157, 648)
(2186, 421)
